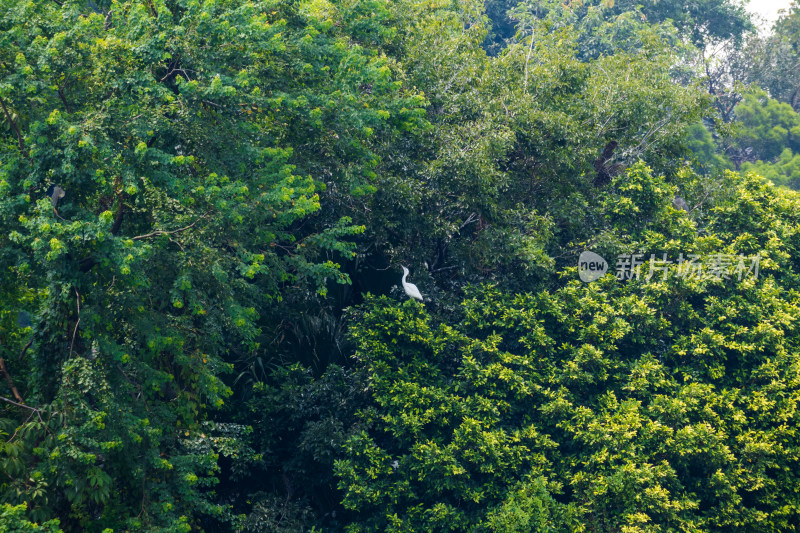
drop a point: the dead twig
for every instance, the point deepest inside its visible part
(161, 232)
(75, 331)
(471, 219)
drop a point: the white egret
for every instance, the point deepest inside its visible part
(410, 288)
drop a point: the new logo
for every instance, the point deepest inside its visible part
(591, 266)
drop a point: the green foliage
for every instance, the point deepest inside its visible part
(637, 201)
(784, 172)
(601, 28)
(299, 425)
(640, 405)
(499, 181)
(704, 150)
(774, 59)
(767, 138)
(606, 26)
(192, 192)
(12, 520)
(704, 22)
(768, 126)
(193, 141)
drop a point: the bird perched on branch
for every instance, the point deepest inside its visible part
(680, 203)
(56, 193)
(411, 290)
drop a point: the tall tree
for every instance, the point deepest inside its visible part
(655, 401)
(158, 163)
(774, 60)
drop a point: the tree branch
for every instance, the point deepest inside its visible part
(25, 349)
(75, 331)
(12, 402)
(118, 217)
(14, 126)
(10, 382)
(443, 269)
(472, 218)
(64, 100)
(160, 232)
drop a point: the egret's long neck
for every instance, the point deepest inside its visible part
(405, 274)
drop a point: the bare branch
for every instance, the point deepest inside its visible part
(527, 60)
(12, 402)
(10, 382)
(75, 331)
(471, 219)
(160, 232)
(172, 68)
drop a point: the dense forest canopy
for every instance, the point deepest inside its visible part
(204, 210)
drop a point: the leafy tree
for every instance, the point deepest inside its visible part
(647, 404)
(192, 192)
(703, 22)
(493, 189)
(609, 25)
(784, 172)
(12, 520)
(774, 60)
(705, 150)
(512, 143)
(767, 128)
(175, 131)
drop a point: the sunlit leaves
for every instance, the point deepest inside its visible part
(193, 142)
(664, 402)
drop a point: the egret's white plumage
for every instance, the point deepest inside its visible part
(410, 288)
